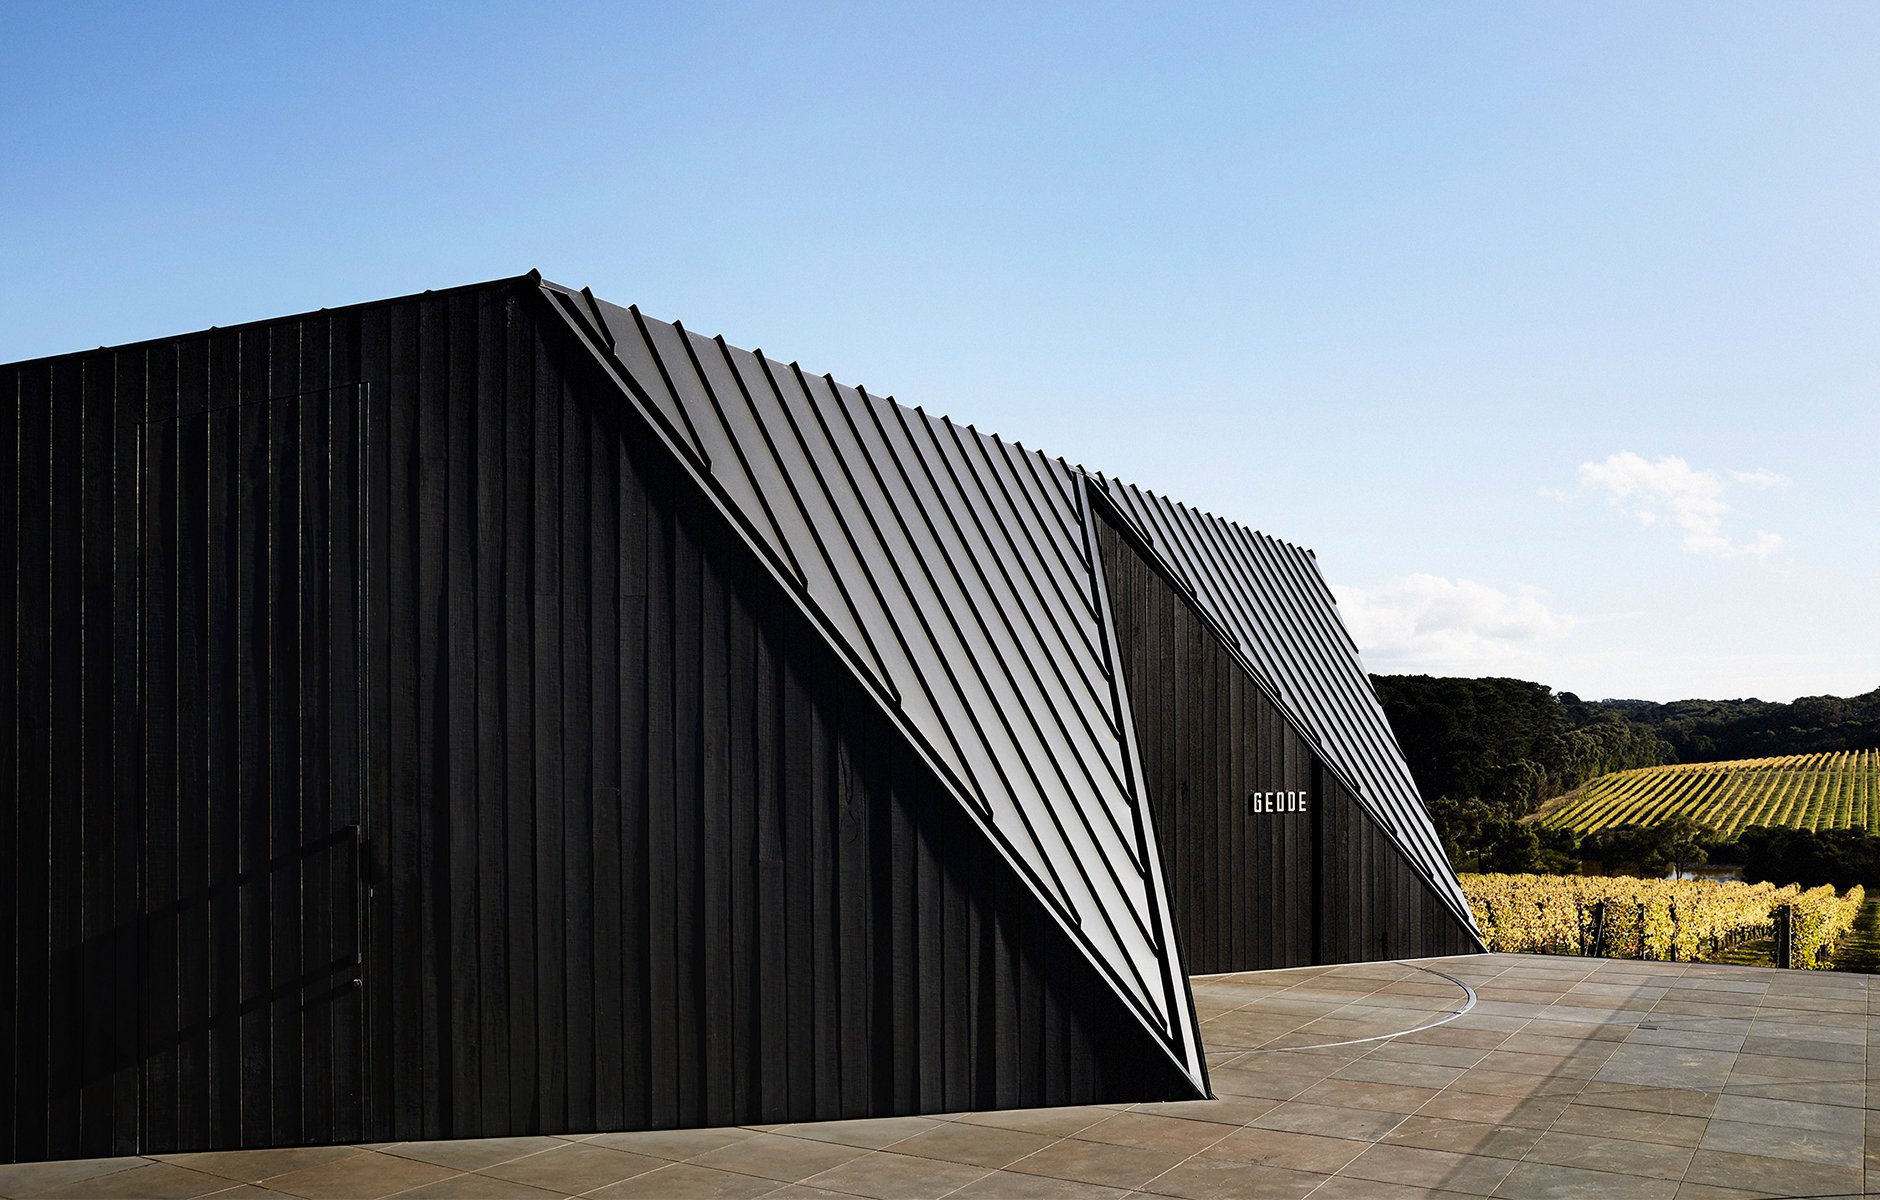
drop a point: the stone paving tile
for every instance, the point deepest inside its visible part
(1451, 1035)
(1414, 1074)
(1553, 1024)
(1839, 1052)
(1523, 1010)
(1416, 1052)
(1151, 1132)
(981, 1145)
(890, 1176)
(1827, 1004)
(1012, 1185)
(869, 1133)
(576, 1167)
(1058, 1122)
(1781, 1176)
(1354, 1093)
(1283, 1148)
(1698, 1070)
(1848, 1093)
(1647, 1098)
(1515, 1083)
(470, 1154)
(475, 1187)
(1090, 1162)
(1665, 1129)
(777, 1156)
(1594, 1153)
(364, 1176)
(1554, 1084)
(1222, 1179)
(1416, 1167)
(1698, 1008)
(1538, 1112)
(1312, 1043)
(686, 1181)
(1330, 1120)
(1553, 1044)
(1341, 1188)
(1799, 1145)
(1559, 1066)
(1696, 1039)
(1226, 1110)
(146, 1181)
(1790, 1114)
(1476, 1019)
(1549, 1181)
(1464, 1137)
(674, 1145)
(1663, 1020)
(1258, 1083)
(253, 1166)
(1786, 1068)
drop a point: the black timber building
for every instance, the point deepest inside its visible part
(495, 711)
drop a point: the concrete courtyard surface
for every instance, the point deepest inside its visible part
(1492, 1075)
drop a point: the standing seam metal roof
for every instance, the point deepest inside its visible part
(1282, 620)
(958, 575)
(954, 572)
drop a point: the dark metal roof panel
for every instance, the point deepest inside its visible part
(956, 575)
(1274, 608)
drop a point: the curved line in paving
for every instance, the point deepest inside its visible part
(1468, 1003)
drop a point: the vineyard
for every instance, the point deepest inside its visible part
(1681, 921)
(1800, 791)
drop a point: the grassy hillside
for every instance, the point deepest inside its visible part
(1832, 790)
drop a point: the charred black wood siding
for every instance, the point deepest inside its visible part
(1251, 889)
(384, 645)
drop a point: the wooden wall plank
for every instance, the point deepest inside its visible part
(345, 726)
(517, 671)
(98, 834)
(12, 754)
(577, 785)
(489, 560)
(430, 798)
(1250, 890)
(637, 847)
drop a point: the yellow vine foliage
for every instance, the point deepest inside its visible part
(1682, 920)
(1821, 917)
(1833, 789)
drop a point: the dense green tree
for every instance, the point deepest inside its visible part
(1842, 857)
(1719, 730)
(1649, 850)
(1487, 752)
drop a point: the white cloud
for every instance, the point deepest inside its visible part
(1761, 477)
(1426, 623)
(1672, 490)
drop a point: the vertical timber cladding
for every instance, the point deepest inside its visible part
(179, 744)
(372, 646)
(1270, 862)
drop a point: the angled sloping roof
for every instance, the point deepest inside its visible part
(1273, 606)
(957, 575)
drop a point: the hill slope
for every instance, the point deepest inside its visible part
(1831, 790)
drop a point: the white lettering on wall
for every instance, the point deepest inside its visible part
(1276, 802)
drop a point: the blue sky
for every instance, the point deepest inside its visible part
(1551, 328)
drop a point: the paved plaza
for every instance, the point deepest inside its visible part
(1492, 1075)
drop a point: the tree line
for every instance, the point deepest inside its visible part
(1486, 753)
